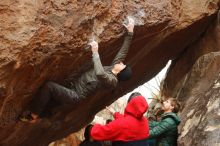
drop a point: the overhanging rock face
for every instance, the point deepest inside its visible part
(46, 39)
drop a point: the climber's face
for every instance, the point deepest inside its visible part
(167, 106)
(119, 66)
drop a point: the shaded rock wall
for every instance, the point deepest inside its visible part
(194, 78)
(45, 40)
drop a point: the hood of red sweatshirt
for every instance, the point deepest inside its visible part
(137, 107)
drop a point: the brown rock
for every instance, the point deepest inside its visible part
(45, 40)
(200, 115)
(71, 140)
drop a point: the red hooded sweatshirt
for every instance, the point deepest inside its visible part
(128, 127)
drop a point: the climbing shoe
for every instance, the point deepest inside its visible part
(28, 117)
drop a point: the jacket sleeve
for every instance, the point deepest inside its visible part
(101, 74)
(124, 49)
(162, 127)
(110, 131)
(153, 124)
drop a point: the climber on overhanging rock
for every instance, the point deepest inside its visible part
(88, 83)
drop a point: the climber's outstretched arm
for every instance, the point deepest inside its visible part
(121, 55)
(103, 76)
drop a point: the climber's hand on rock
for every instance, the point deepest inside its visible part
(130, 25)
(94, 46)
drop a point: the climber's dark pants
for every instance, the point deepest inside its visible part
(52, 91)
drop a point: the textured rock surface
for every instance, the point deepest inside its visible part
(71, 140)
(201, 113)
(194, 79)
(45, 40)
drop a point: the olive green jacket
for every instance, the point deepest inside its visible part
(100, 76)
(165, 131)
